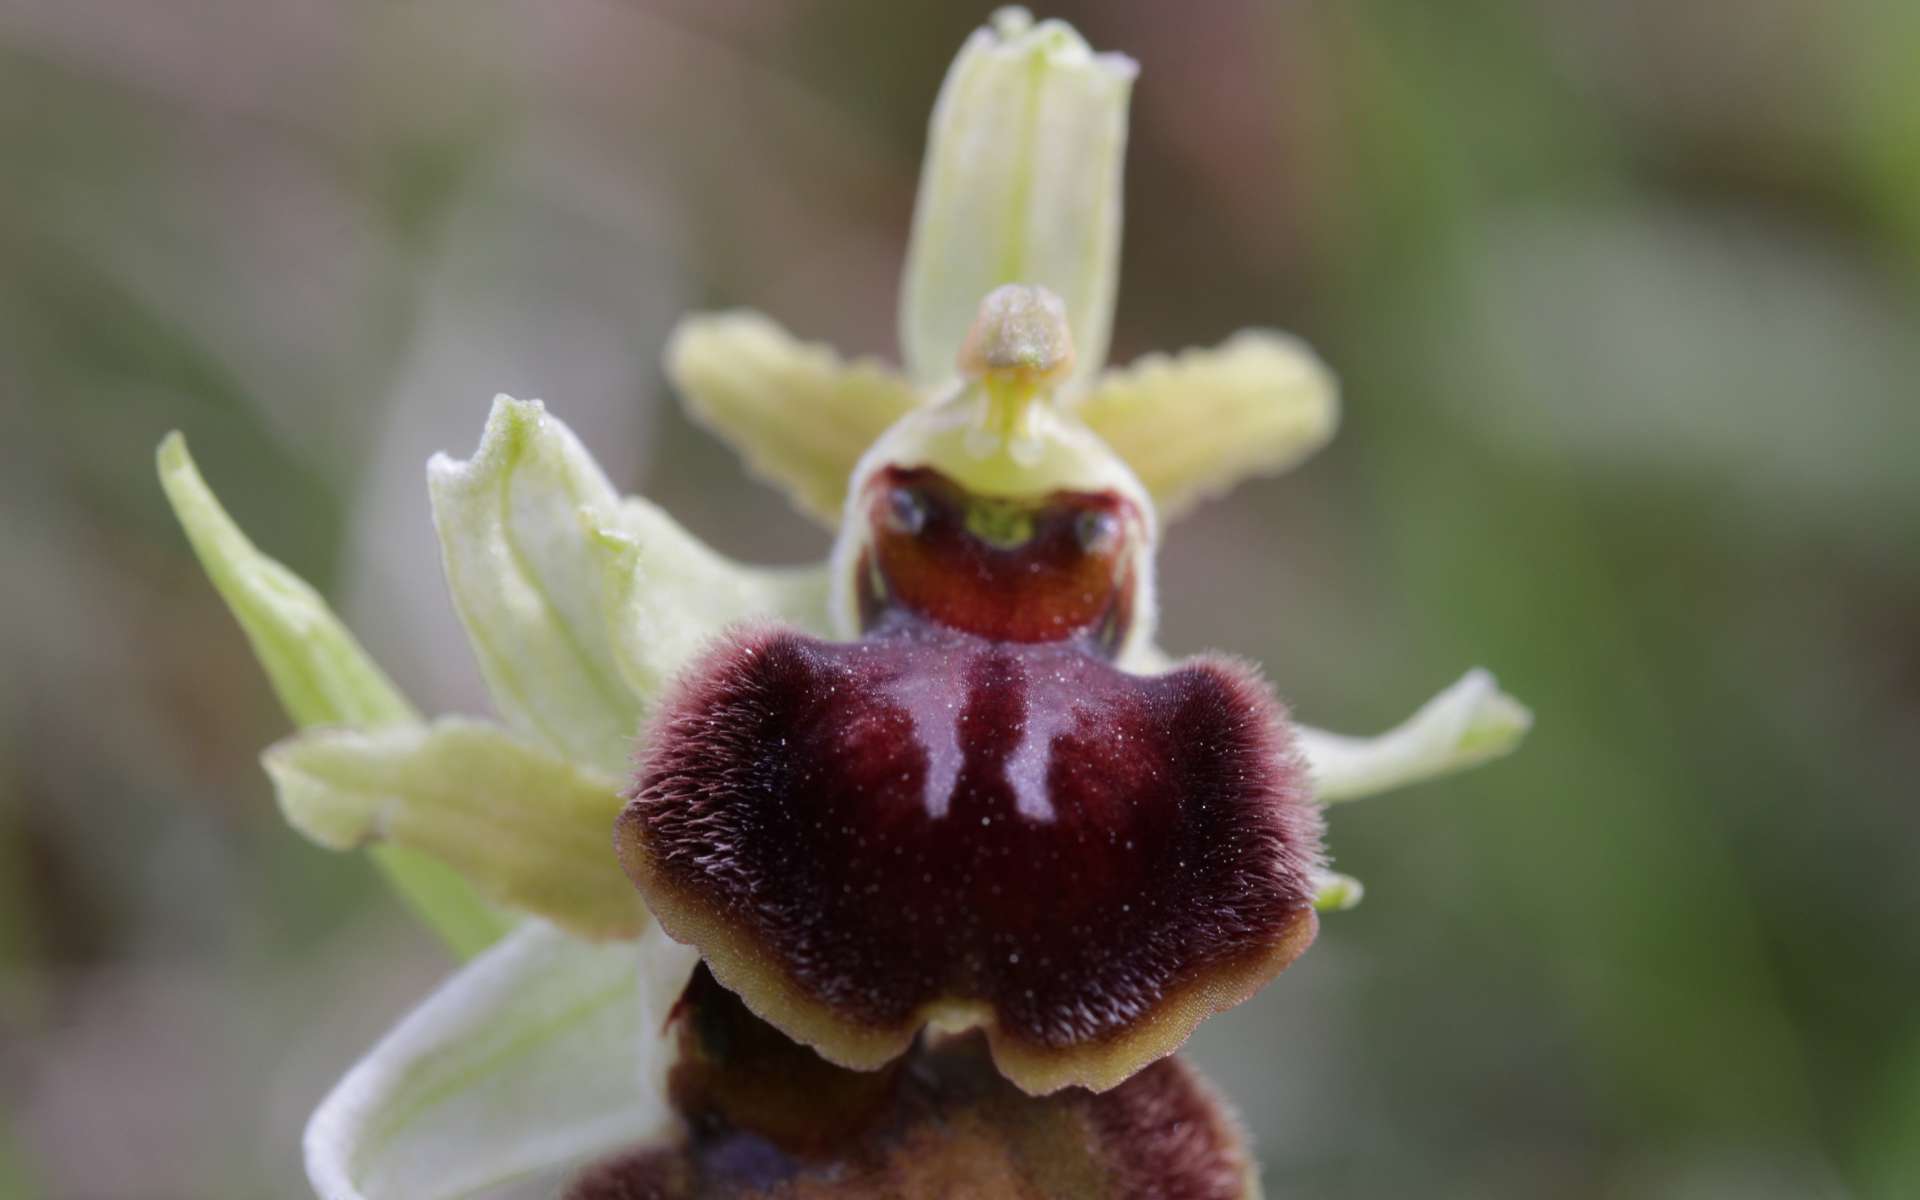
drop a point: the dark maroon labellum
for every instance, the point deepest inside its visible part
(931, 826)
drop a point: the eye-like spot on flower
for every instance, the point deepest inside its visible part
(905, 512)
(1098, 532)
(945, 1124)
(929, 828)
(1051, 569)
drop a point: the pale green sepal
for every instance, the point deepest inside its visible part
(1020, 184)
(538, 1057)
(1333, 892)
(668, 594)
(322, 676)
(526, 829)
(320, 673)
(1468, 724)
(523, 580)
(1194, 424)
(798, 413)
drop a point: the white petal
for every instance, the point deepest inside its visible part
(525, 584)
(540, 1055)
(1021, 184)
(798, 413)
(527, 829)
(1469, 723)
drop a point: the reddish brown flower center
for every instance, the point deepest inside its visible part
(1051, 569)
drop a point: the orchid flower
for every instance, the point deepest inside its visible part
(905, 871)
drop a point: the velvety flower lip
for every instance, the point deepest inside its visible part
(929, 828)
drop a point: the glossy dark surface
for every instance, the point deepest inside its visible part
(1051, 569)
(925, 815)
(766, 1119)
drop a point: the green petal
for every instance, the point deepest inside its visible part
(800, 414)
(1021, 184)
(669, 594)
(1470, 723)
(1197, 423)
(512, 524)
(541, 1055)
(528, 830)
(321, 674)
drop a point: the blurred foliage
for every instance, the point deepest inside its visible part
(1624, 299)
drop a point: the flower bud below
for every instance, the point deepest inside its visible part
(765, 1118)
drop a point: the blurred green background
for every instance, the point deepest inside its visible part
(1624, 300)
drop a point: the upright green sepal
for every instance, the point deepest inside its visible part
(322, 675)
(1021, 184)
(513, 523)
